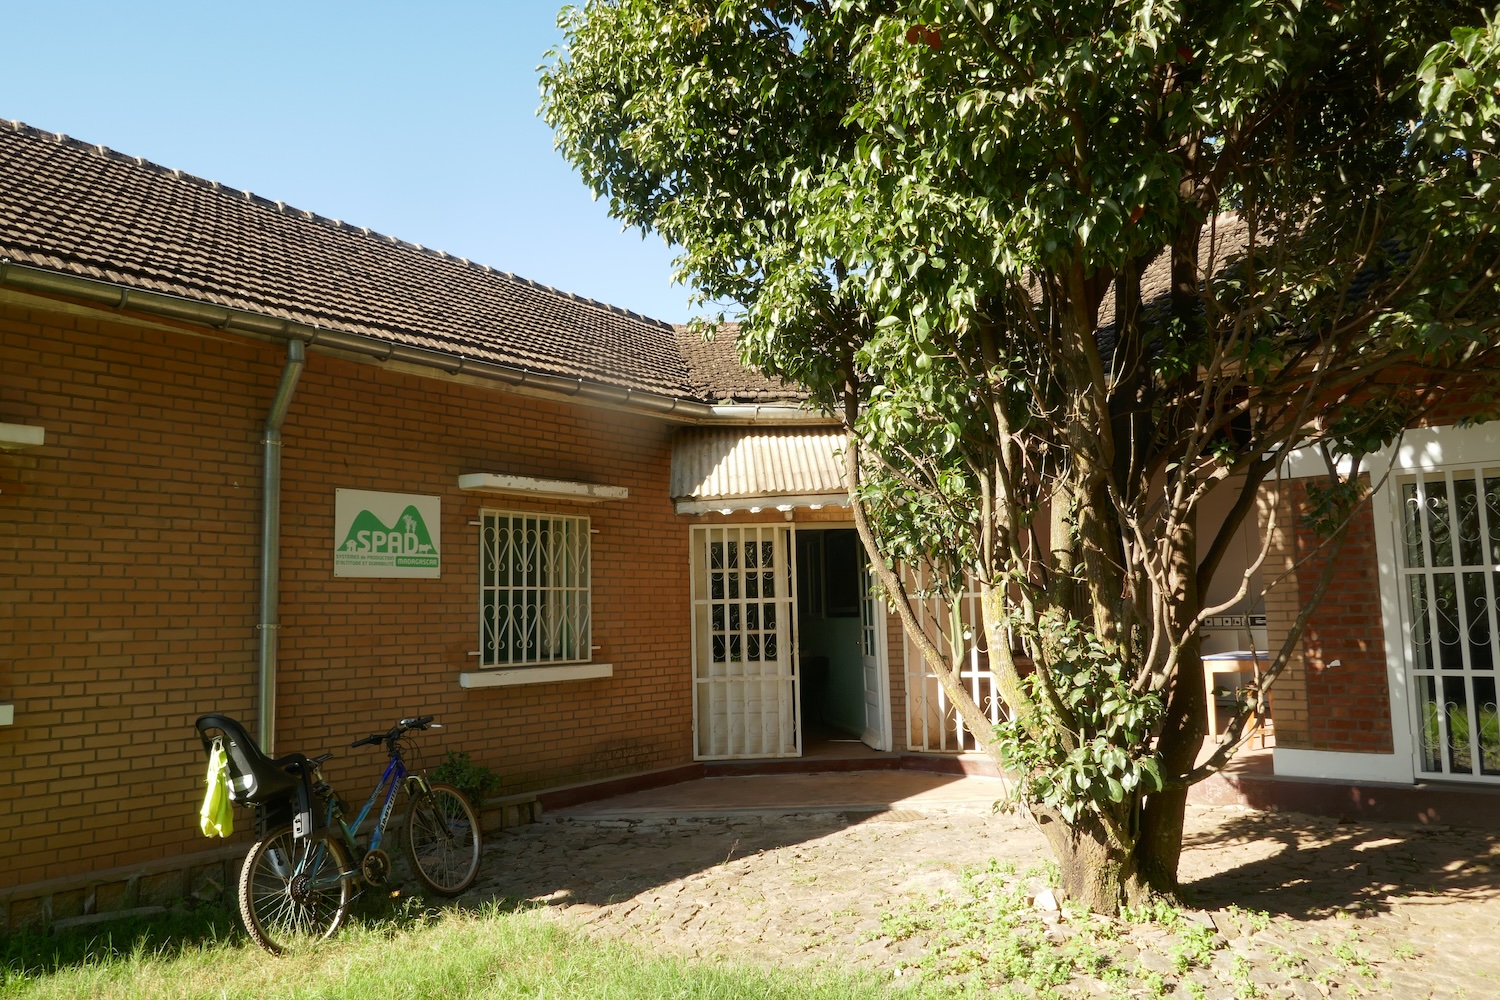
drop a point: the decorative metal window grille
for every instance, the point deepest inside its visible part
(534, 589)
(1450, 555)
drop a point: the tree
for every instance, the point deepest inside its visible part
(940, 217)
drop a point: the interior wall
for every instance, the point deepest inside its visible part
(828, 643)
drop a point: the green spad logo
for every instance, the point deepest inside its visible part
(387, 534)
(407, 540)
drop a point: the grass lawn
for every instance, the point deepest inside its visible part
(406, 953)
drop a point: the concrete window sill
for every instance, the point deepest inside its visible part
(506, 677)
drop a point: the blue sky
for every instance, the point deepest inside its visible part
(416, 120)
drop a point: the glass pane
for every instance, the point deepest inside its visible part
(768, 584)
(752, 644)
(734, 586)
(1466, 508)
(770, 646)
(1432, 730)
(718, 617)
(752, 585)
(768, 554)
(1456, 711)
(1489, 725)
(735, 650)
(768, 615)
(752, 617)
(716, 586)
(1411, 524)
(718, 649)
(750, 555)
(1477, 610)
(1421, 632)
(1438, 530)
(734, 618)
(715, 555)
(1445, 601)
(1492, 515)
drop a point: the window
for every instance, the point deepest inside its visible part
(534, 589)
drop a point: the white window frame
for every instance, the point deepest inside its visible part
(577, 572)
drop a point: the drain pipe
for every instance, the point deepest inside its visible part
(270, 540)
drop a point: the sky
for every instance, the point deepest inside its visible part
(416, 120)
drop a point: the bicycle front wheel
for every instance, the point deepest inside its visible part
(442, 840)
(294, 891)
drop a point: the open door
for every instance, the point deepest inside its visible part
(745, 693)
(872, 658)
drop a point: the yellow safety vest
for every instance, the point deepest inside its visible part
(217, 814)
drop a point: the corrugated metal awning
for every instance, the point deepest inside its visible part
(742, 468)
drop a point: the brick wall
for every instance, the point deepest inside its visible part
(1318, 705)
(132, 544)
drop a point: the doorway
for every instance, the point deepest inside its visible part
(840, 642)
(787, 639)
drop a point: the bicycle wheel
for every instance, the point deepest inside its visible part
(442, 840)
(294, 891)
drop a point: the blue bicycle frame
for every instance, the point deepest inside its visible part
(396, 775)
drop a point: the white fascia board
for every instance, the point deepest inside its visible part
(1424, 448)
(725, 505)
(508, 677)
(21, 436)
(547, 489)
(1329, 765)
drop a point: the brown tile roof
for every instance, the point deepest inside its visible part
(715, 368)
(90, 211)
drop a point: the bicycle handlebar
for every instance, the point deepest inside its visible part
(404, 726)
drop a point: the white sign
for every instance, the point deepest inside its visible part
(386, 534)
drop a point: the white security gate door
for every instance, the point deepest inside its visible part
(745, 696)
(1450, 574)
(872, 658)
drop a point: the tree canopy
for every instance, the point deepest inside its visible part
(1064, 269)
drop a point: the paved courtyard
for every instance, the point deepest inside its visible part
(1291, 905)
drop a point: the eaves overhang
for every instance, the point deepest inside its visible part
(117, 298)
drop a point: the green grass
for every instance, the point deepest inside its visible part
(411, 953)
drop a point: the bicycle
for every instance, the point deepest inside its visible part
(299, 876)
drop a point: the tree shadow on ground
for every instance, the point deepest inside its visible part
(1308, 867)
(536, 865)
(596, 864)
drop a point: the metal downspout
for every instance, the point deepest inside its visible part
(270, 541)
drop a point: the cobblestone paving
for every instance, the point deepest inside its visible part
(1329, 909)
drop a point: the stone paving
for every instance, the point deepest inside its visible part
(1326, 909)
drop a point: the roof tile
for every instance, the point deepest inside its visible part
(87, 210)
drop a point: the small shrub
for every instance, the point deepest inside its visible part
(474, 780)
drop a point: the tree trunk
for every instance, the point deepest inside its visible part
(1093, 872)
(1183, 727)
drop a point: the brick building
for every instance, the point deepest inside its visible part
(1395, 678)
(526, 513)
(260, 462)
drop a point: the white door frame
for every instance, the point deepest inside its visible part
(790, 633)
(744, 607)
(874, 632)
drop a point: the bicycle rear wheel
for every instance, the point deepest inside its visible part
(443, 840)
(294, 891)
